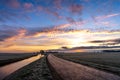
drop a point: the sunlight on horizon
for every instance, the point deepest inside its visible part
(29, 26)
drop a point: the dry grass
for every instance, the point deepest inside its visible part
(105, 61)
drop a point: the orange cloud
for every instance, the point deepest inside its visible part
(21, 33)
(54, 37)
(61, 26)
(47, 40)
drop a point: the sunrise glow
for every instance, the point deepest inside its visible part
(27, 26)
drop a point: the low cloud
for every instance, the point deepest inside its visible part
(97, 41)
(107, 42)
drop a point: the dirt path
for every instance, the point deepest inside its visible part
(72, 71)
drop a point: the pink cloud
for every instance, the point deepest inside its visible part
(107, 24)
(69, 25)
(54, 13)
(69, 19)
(39, 8)
(14, 3)
(76, 8)
(28, 5)
(106, 16)
(61, 26)
(57, 3)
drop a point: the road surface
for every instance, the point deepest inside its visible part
(68, 70)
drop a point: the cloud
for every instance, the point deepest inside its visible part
(106, 16)
(114, 42)
(71, 20)
(97, 41)
(14, 3)
(11, 3)
(28, 5)
(62, 28)
(64, 47)
(58, 3)
(107, 42)
(51, 37)
(55, 9)
(76, 8)
(11, 16)
(6, 15)
(20, 34)
(7, 32)
(53, 13)
(106, 23)
(39, 8)
(12, 32)
(11, 10)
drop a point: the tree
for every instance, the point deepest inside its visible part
(64, 47)
(42, 52)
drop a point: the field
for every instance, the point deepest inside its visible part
(104, 61)
(67, 70)
(73, 66)
(6, 58)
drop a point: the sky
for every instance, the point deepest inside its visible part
(33, 25)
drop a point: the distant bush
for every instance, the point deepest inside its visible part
(42, 52)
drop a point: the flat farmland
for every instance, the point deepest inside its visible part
(73, 66)
(67, 70)
(109, 62)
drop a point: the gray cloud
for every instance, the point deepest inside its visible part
(107, 42)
